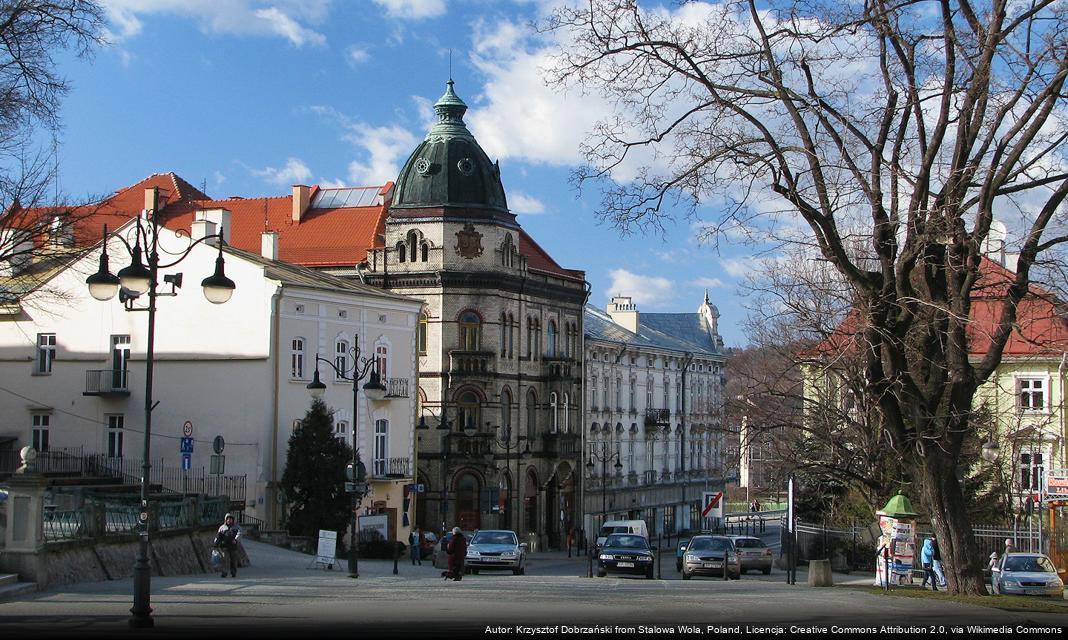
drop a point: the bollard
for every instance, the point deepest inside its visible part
(395, 544)
(659, 559)
(589, 563)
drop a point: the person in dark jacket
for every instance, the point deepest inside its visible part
(457, 550)
(226, 541)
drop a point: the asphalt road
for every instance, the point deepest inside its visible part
(281, 595)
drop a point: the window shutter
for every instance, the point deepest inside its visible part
(1019, 396)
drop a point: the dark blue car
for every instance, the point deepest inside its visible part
(625, 553)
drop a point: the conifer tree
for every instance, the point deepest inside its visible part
(314, 477)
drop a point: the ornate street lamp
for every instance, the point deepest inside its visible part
(604, 457)
(355, 472)
(132, 282)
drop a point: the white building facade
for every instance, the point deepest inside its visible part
(655, 437)
(73, 371)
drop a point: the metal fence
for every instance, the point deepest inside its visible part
(118, 518)
(65, 525)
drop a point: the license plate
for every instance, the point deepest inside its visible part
(628, 565)
(712, 565)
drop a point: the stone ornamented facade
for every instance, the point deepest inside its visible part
(654, 415)
(500, 361)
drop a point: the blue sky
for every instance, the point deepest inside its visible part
(247, 97)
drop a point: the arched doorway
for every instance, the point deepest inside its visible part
(530, 502)
(566, 502)
(467, 504)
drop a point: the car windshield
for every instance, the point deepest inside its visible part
(626, 542)
(607, 530)
(749, 543)
(494, 537)
(1031, 564)
(709, 544)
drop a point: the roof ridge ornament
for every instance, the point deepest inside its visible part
(450, 110)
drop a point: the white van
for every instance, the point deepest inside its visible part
(636, 527)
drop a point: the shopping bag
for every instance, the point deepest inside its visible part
(216, 559)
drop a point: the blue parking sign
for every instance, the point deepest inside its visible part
(187, 461)
(187, 445)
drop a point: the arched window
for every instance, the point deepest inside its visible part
(470, 330)
(413, 244)
(402, 254)
(381, 451)
(503, 329)
(593, 392)
(567, 414)
(506, 412)
(468, 408)
(532, 414)
(633, 394)
(553, 417)
(296, 358)
(619, 393)
(421, 333)
(537, 336)
(512, 327)
(551, 342)
(341, 358)
(530, 338)
(424, 252)
(382, 360)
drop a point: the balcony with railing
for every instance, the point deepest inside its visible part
(657, 416)
(471, 363)
(396, 387)
(107, 382)
(391, 468)
(562, 445)
(650, 477)
(557, 367)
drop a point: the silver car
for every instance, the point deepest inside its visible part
(496, 549)
(1026, 574)
(711, 556)
(753, 553)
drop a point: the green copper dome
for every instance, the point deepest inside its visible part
(448, 168)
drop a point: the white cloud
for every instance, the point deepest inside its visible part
(412, 9)
(294, 172)
(289, 19)
(520, 202)
(737, 267)
(385, 147)
(709, 283)
(654, 291)
(355, 55)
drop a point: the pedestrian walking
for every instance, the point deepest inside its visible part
(415, 541)
(936, 563)
(226, 542)
(927, 558)
(457, 550)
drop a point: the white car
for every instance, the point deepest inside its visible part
(1026, 574)
(496, 549)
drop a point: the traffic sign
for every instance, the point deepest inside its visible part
(187, 429)
(219, 444)
(713, 504)
(417, 488)
(186, 445)
(187, 461)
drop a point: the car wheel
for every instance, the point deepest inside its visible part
(686, 575)
(678, 566)
(738, 575)
(767, 571)
(649, 574)
(474, 572)
(467, 571)
(517, 571)
(601, 573)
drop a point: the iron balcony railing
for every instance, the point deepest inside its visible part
(104, 382)
(397, 387)
(391, 467)
(657, 416)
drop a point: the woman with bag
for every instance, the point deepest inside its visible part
(226, 542)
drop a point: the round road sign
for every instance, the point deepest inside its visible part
(187, 429)
(219, 444)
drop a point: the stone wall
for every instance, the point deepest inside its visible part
(171, 553)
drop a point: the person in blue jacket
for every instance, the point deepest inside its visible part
(927, 558)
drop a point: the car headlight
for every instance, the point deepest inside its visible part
(645, 559)
(691, 558)
(1055, 583)
(605, 557)
(508, 554)
(473, 554)
(1010, 583)
(731, 557)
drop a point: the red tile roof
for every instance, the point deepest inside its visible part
(539, 260)
(1041, 328)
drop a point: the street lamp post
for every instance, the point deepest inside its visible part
(505, 443)
(604, 457)
(131, 283)
(356, 472)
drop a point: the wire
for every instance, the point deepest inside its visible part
(125, 428)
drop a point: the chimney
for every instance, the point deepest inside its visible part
(201, 228)
(269, 245)
(301, 200)
(151, 198)
(219, 219)
(624, 313)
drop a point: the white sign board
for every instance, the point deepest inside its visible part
(327, 547)
(712, 504)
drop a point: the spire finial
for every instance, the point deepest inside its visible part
(706, 296)
(450, 66)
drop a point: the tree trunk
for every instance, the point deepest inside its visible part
(953, 529)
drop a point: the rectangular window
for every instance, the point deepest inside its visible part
(381, 447)
(41, 424)
(297, 359)
(341, 429)
(1031, 471)
(120, 361)
(46, 353)
(1031, 394)
(116, 423)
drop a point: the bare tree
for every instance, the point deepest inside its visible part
(905, 123)
(31, 90)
